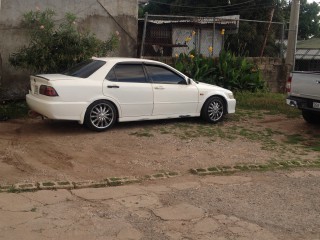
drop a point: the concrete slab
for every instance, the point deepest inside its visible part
(226, 180)
(108, 193)
(48, 196)
(179, 212)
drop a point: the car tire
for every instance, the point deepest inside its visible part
(100, 115)
(311, 117)
(213, 109)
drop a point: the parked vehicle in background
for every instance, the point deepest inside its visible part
(101, 91)
(303, 90)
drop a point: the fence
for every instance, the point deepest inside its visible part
(169, 36)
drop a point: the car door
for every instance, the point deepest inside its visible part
(172, 94)
(128, 85)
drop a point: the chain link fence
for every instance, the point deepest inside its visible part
(169, 36)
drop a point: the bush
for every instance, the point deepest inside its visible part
(197, 67)
(54, 48)
(228, 71)
(238, 74)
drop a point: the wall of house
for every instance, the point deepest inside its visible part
(202, 44)
(101, 17)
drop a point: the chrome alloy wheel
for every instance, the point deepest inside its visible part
(102, 115)
(215, 110)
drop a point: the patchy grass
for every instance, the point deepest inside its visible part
(271, 103)
(142, 133)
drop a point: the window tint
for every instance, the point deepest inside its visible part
(84, 69)
(111, 76)
(127, 73)
(159, 74)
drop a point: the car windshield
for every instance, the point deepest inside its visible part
(84, 69)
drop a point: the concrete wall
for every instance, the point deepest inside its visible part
(101, 17)
(274, 72)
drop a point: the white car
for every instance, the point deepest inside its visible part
(101, 91)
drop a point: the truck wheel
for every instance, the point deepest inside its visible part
(311, 117)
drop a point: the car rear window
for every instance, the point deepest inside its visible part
(84, 69)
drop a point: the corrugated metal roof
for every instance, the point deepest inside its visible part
(308, 54)
(224, 20)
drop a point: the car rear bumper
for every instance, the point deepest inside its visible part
(302, 103)
(56, 110)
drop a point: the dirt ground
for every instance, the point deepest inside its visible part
(40, 150)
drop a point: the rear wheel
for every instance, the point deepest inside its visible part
(100, 115)
(311, 117)
(213, 110)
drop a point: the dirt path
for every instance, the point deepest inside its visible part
(37, 150)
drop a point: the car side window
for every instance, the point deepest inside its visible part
(127, 73)
(159, 74)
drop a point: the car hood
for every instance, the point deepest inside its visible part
(208, 87)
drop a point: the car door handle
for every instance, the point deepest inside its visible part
(113, 86)
(159, 88)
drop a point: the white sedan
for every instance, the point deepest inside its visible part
(101, 91)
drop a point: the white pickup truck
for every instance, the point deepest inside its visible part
(303, 90)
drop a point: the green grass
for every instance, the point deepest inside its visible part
(271, 103)
(13, 109)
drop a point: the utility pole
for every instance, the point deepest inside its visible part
(293, 33)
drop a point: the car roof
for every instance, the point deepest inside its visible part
(124, 59)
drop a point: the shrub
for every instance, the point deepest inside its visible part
(196, 66)
(55, 48)
(238, 74)
(228, 71)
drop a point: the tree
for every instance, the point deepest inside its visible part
(309, 20)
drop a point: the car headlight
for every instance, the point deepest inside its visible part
(230, 95)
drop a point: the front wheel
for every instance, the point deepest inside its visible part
(311, 117)
(213, 110)
(100, 116)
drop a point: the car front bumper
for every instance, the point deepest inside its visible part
(231, 105)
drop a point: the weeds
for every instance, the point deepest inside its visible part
(13, 109)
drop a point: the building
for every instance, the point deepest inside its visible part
(101, 17)
(172, 35)
(308, 55)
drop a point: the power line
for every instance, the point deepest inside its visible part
(184, 6)
(236, 9)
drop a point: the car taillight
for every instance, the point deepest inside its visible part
(48, 91)
(288, 86)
